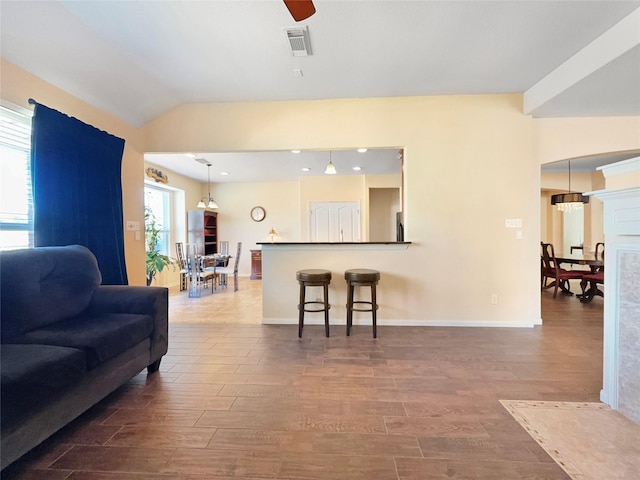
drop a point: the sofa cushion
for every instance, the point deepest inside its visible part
(31, 374)
(101, 336)
(43, 285)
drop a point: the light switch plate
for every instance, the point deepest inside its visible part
(512, 223)
(133, 225)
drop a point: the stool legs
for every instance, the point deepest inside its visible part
(301, 310)
(326, 309)
(302, 307)
(313, 278)
(374, 309)
(362, 305)
(350, 293)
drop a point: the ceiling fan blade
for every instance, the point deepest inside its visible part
(300, 9)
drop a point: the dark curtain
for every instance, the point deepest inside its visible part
(77, 189)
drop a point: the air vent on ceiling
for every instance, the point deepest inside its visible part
(203, 161)
(298, 41)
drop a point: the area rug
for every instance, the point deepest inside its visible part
(588, 440)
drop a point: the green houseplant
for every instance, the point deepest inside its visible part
(155, 261)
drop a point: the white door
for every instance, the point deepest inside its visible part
(335, 222)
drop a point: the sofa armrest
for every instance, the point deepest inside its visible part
(153, 301)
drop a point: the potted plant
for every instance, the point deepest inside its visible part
(155, 261)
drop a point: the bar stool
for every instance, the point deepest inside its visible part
(361, 277)
(313, 278)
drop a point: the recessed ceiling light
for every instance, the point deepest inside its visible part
(224, 173)
(362, 150)
(192, 155)
(356, 168)
(306, 169)
(295, 151)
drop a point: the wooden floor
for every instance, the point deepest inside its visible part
(247, 401)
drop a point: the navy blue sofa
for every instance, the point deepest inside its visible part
(67, 341)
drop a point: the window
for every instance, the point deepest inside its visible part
(16, 198)
(158, 202)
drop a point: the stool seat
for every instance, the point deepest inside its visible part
(313, 277)
(361, 277)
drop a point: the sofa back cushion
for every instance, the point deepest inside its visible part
(39, 286)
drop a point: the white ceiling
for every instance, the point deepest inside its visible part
(140, 59)
(279, 166)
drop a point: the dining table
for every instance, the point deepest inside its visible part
(580, 259)
(215, 260)
(590, 261)
(205, 272)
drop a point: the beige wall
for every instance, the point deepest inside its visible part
(464, 155)
(336, 188)
(470, 162)
(18, 86)
(286, 205)
(564, 138)
(383, 182)
(186, 192)
(383, 205)
(281, 203)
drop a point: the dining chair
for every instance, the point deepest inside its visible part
(224, 251)
(599, 251)
(593, 279)
(551, 270)
(182, 265)
(225, 271)
(197, 275)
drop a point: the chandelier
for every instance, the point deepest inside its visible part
(208, 201)
(571, 201)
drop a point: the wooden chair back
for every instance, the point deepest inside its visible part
(599, 251)
(549, 263)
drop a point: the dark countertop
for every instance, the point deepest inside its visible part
(333, 243)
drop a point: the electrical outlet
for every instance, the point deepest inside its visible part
(494, 299)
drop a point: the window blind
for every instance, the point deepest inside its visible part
(16, 197)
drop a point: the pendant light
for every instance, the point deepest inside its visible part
(207, 202)
(331, 169)
(571, 201)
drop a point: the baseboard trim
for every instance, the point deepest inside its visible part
(407, 323)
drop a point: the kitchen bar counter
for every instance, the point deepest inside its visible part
(280, 290)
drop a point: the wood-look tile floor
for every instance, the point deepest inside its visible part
(247, 401)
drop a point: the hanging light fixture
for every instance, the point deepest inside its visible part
(207, 202)
(571, 201)
(331, 168)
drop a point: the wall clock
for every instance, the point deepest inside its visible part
(258, 214)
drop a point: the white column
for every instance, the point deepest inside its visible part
(621, 349)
